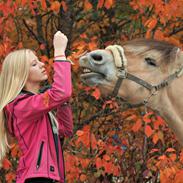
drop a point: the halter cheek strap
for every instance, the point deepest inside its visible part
(121, 64)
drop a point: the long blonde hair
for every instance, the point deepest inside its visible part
(13, 76)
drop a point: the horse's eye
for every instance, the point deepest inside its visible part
(151, 61)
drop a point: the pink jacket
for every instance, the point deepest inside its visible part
(29, 122)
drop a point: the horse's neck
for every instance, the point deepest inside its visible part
(170, 106)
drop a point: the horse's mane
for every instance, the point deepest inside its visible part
(166, 50)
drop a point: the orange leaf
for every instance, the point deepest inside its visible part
(93, 141)
(96, 93)
(148, 131)
(64, 5)
(181, 156)
(83, 177)
(6, 164)
(147, 117)
(108, 167)
(148, 34)
(159, 35)
(44, 58)
(79, 133)
(158, 122)
(10, 177)
(173, 157)
(116, 170)
(108, 4)
(43, 4)
(87, 5)
(84, 162)
(55, 6)
(170, 150)
(161, 136)
(100, 4)
(155, 138)
(23, 2)
(92, 45)
(152, 23)
(99, 163)
(179, 177)
(137, 125)
(106, 157)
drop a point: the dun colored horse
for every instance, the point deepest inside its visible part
(140, 71)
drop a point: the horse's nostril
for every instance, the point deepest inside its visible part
(96, 57)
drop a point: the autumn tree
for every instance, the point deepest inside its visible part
(111, 144)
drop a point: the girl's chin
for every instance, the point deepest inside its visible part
(45, 78)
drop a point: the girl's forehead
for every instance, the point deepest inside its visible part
(32, 57)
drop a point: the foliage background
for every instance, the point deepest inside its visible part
(110, 144)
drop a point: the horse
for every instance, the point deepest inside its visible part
(141, 71)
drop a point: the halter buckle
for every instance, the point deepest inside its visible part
(122, 73)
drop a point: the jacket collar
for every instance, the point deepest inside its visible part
(26, 92)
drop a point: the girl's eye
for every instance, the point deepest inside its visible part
(34, 64)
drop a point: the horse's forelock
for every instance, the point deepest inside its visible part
(166, 52)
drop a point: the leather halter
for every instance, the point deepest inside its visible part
(118, 53)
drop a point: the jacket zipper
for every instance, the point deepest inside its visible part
(39, 155)
(55, 138)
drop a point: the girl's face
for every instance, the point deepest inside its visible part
(37, 71)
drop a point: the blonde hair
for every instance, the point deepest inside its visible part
(13, 76)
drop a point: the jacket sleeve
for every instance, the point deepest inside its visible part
(65, 120)
(33, 107)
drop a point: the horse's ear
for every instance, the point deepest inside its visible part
(178, 56)
(176, 59)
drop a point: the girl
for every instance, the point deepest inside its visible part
(26, 114)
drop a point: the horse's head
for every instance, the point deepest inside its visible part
(148, 60)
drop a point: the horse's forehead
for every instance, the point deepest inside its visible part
(143, 51)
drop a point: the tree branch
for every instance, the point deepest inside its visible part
(175, 31)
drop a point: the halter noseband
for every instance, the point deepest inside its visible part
(121, 64)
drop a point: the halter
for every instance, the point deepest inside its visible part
(121, 64)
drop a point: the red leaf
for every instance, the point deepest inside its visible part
(170, 150)
(108, 4)
(42, 46)
(87, 5)
(6, 164)
(96, 93)
(106, 157)
(148, 131)
(154, 150)
(10, 177)
(147, 117)
(64, 5)
(100, 4)
(99, 163)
